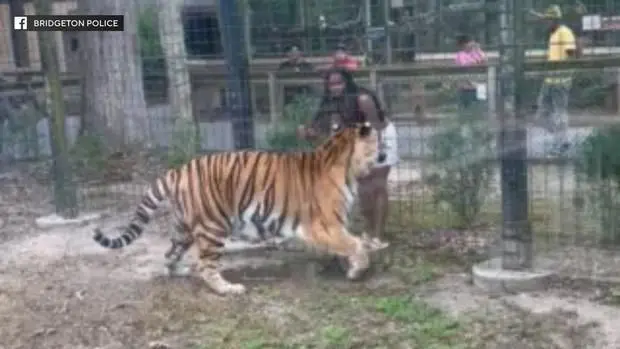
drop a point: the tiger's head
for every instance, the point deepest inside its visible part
(358, 145)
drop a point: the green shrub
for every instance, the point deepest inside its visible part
(283, 136)
(152, 53)
(461, 150)
(598, 164)
(184, 144)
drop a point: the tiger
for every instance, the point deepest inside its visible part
(262, 197)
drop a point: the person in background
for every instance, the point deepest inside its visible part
(346, 103)
(469, 54)
(295, 62)
(552, 104)
(342, 59)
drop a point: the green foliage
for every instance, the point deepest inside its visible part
(22, 128)
(461, 150)
(599, 155)
(598, 163)
(428, 327)
(148, 31)
(283, 136)
(151, 51)
(88, 157)
(184, 143)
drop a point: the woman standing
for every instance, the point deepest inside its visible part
(469, 54)
(346, 103)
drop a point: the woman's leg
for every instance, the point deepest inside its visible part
(373, 199)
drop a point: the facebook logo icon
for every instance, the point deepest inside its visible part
(20, 23)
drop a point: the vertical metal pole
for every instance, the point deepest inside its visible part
(387, 8)
(247, 28)
(368, 18)
(238, 92)
(516, 231)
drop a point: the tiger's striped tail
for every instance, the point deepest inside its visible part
(153, 198)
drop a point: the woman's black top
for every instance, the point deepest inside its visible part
(344, 111)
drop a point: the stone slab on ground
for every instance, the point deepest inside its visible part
(54, 220)
(490, 276)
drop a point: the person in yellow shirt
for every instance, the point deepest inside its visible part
(552, 113)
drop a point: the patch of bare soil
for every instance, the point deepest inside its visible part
(58, 289)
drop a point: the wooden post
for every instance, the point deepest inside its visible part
(273, 96)
(373, 79)
(492, 92)
(65, 191)
(617, 91)
(418, 99)
(377, 84)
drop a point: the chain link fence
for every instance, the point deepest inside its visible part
(176, 108)
(127, 115)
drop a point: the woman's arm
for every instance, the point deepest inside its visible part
(370, 110)
(312, 130)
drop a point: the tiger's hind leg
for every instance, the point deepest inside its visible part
(180, 244)
(208, 250)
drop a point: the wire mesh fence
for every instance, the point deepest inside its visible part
(87, 128)
(422, 29)
(445, 171)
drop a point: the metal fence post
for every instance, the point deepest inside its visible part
(387, 9)
(238, 93)
(516, 231)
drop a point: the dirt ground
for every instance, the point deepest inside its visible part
(58, 289)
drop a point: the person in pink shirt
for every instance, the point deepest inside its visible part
(469, 54)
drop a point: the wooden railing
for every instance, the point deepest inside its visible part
(376, 77)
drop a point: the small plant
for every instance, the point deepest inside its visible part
(598, 163)
(88, 154)
(335, 337)
(284, 135)
(184, 143)
(151, 51)
(428, 327)
(461, 151)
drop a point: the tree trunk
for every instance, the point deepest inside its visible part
(19, 37)
(173, 45)
(179, 86)
(114, 104)
(65, 193)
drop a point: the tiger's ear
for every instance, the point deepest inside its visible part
(365, 129)
(335, 127)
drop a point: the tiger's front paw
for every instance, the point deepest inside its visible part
(355, 273)
(232, 289)
(358, 265)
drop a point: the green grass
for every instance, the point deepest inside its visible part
(296, 314)
(385, 312)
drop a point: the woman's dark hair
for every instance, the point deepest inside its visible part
(346, 105)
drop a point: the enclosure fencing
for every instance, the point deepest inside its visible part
(101, 135)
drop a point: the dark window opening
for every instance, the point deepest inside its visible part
(202, 34)
(74, 44)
